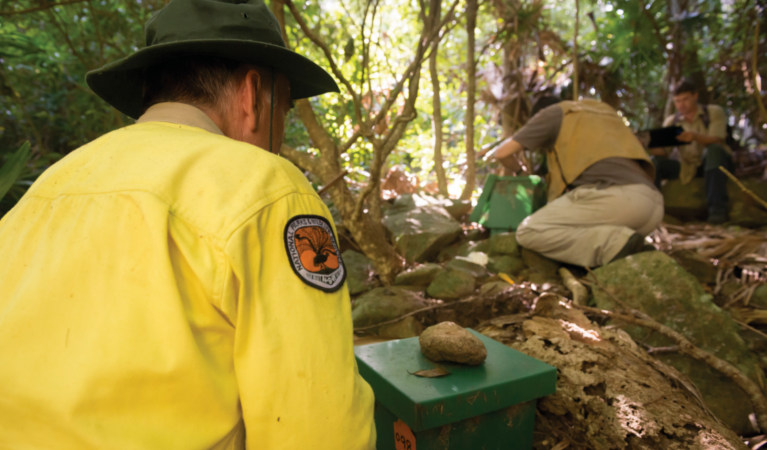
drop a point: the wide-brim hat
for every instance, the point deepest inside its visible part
(244, 31)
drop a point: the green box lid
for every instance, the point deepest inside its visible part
(506, 378)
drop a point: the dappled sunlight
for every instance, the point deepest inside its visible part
(632, 416)
(580, 332)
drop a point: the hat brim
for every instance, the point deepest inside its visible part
(121, 82)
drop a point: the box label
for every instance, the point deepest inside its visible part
(404, 439)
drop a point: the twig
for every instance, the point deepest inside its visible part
(668, 349)
(755, 69)
(332, 182)
(749, 327)
(579, 291)
(40, 8)
(743, 188)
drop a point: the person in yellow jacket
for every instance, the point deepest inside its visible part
(601, 198)
(173, 284)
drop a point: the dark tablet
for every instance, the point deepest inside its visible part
(665, 137)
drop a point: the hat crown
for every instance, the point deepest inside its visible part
(206, 20)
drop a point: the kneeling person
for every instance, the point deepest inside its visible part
(601, 196)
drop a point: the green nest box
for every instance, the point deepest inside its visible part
(490, 406)
(506, 201)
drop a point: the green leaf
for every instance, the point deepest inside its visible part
(11, 170)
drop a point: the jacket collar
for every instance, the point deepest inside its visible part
(179, 113)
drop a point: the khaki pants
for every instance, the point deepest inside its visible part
(589, 226)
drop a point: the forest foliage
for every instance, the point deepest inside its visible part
(390, 58)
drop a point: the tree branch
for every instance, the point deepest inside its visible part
(328, 54)
(40, 8)
(755, 68)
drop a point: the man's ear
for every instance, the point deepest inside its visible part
(251, 108)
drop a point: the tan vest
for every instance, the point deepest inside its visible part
(591, 131)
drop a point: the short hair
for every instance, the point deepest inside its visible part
(543, 102)
(196, 80)
(683, 86)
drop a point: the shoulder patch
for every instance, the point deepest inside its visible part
(313, 252)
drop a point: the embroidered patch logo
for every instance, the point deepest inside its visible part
(313, 252)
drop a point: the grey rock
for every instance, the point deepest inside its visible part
(503, 244)
(419, 233)
(508, 264)
(384, 303)
(685, 201)
(700, 267)
(688, 201)
(462, 248)
(759, 297)
(448, 341)
(420, 275)
(405, 328)
(475, 270)
(493, 287)
(451, 284)
(360, 274)
(655, 284)
(744, 209)
(547, 268)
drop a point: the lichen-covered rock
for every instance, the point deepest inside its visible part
(688, 201)
(699, 266)
(385, 303)
(652, 282)
(462, 248)
(685, 201)
(610, 393)
(547, 268)
(420, 275)
(451, 284)
(759, 298)
(420, 233)
(360, 274)
(464, 265)
(507, 264)
(503, 244)
(448, 341)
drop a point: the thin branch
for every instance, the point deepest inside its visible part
(64, 33)
(656, 29)
(395, 132)
(40, 8)
(97, 27)
(575, 51)
(324, 47)
(755, 68)
(743, 188)
(330, 183)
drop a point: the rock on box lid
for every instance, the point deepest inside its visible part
(506, 378)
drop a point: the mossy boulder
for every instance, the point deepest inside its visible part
(360, 274)
(420, 275)
(385, 303)
(658, 286)
(452, 284)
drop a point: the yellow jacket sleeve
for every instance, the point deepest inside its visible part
(293, 346)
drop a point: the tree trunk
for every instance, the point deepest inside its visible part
(575, 51)
(362, 213)
(436, 121)
(369, 233)
(471, 173)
